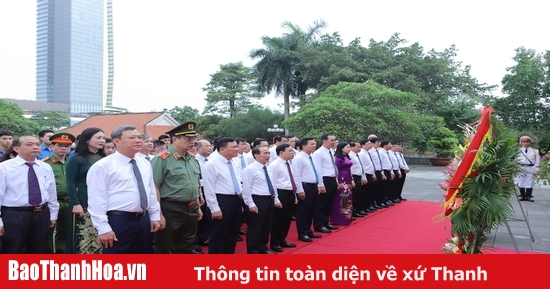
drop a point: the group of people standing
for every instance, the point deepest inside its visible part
(191, 193)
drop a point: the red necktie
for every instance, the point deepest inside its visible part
(291, 177)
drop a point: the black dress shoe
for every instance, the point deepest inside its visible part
(239, 238)
(353, 218)
(530, 200)
(205, 243)
(323, 230)
(357, 215)
(362, 213)
(196, 252)
(241, 232)
(371, 209)
(402, 199)
(390, 203)
(277, 248)
(293, 218)
(331, 227)
(267, 252)
(304, 238)
(313, 235)
(396, 200)
(286, 244)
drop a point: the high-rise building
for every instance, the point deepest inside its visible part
(74, 63)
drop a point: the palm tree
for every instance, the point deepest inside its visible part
(276, 69)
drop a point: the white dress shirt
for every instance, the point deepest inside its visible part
(279, 174)
(216, 179)
(202, 160)
(367, 161)
(14, 185)
(357, 167)
(249, 158)
(303, 171)
(255, 183)
(385, 158)
(113, 186)
(394, 161)
(326, 166)
(138, 154)
(375, 155)
(402, 163)
(214, 154)
(272, 154)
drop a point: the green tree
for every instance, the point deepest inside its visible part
(12, 120)
(230, 90)
(250, 125)
(441, 83)
(276, 69)
(184, 114)
(207, 126)
(355, 110)
(49, 119)
(527, 85)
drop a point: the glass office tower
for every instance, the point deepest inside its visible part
(71, 52)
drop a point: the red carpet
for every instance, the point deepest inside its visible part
(410, 227)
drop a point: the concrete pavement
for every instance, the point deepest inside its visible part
(422, 184)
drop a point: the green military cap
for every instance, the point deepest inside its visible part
(186, 129)
(63, 137)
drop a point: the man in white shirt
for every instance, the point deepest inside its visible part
(258, 142)
(370, 187)
(403, 167)
(28, 200)
(260, 197)
(223, 191)
(308, 182)
(381, 179)
(285, 184)
(529, 160)
(204, 149)
(124, 206)
(146, 147)
(278, 140)
(387, 168)
(325, 158)
(360, 180)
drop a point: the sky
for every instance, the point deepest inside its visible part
(166, 50)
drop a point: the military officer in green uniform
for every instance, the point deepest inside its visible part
(176, 174)
(56, 242)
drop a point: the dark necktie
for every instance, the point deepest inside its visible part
(148, 158)
(333, 164)
(291, 177)
(362, 168)
(236, 186)
(371, 161)
(269, 184)
(402, 161)
(35, 196)
(380, 159)
(314, 170)
(205, 159)
(142, 194)
(389, 157)
(525, 150)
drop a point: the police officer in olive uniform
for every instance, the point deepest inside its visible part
(56, 242)
(176, 174)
